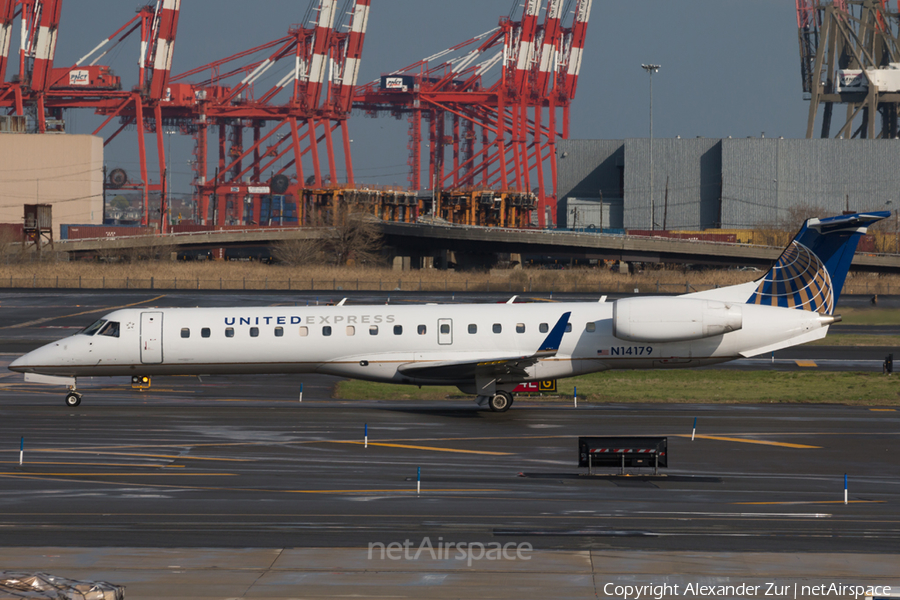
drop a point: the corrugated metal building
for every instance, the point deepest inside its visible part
(727, 183)
(65, 171)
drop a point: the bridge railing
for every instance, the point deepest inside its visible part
(387, 285)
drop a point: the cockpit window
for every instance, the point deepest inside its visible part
(111, 329)
(93, 327)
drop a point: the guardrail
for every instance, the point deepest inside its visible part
(446, 227)
(297, 284)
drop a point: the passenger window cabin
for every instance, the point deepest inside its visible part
(373, 329)
(326, 330)
(473, 328)
(205, 332)
(520, 327)
(304, 331)
(254, 332)
(185, 333)
(497, 328)
(398, 329)
(591, 327)
(422, 330)
(544, 328)
(229, 332)
(279, 332)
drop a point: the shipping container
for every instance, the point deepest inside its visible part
(867, 244)
(397, 83)
(13, 124)
(93, 232)
(699, 236)
(90, 77)
(11, 231)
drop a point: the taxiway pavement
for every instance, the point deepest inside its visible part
(176, 486)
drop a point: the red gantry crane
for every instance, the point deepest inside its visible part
(488, 143)
(48, 90)
(493, 105)
(318, 106)
(322, 64)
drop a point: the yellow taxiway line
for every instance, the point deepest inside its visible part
(74, 464)
(87, 312)
(433, 449)
(172, 457)
(36, 474)
(406, 491)
(748, 441)
(812, 502)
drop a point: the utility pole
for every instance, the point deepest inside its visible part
(651, 69)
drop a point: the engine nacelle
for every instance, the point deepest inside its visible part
(673, 319)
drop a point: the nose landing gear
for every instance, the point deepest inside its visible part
(73, 398)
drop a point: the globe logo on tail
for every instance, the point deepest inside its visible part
(798, 280)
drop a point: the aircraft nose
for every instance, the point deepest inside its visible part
(21, 364)
(34, 360)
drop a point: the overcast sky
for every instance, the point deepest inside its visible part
(729, 68)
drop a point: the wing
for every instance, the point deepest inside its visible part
(504, 368)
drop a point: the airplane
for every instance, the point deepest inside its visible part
(483, 349)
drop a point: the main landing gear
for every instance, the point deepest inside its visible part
(500, 401)
(73, 398)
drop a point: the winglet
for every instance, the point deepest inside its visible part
(554, 339)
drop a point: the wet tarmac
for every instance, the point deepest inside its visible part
(231, 487)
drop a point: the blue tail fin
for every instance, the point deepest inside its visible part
(810, 273)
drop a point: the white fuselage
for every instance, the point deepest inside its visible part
(373, 342)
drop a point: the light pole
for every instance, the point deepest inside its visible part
(651, 69)
(165, 204)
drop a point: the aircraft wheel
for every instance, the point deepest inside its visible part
(73, 399)
(500, 402)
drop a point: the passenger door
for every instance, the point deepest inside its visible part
(151, 338)
(445, 332)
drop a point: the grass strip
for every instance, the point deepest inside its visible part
(854, 339)
(688, 386)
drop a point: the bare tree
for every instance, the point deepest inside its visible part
(795, 216)
(298, 252)
(159, 249)
(778, 231)
(356, 238)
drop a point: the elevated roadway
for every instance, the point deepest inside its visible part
(425, 239)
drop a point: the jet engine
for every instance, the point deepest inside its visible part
(659, 320)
